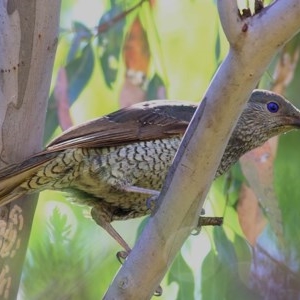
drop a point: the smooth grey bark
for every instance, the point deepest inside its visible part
(28, 40)
(253, 43)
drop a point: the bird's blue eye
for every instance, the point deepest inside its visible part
(273, 107)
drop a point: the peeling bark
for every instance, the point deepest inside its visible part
(28, 39)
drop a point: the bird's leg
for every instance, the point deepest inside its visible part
(137, 189)
(151, 201)
(100, 215)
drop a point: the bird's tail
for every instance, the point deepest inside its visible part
(12, 177)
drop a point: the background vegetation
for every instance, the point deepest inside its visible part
(174, 47)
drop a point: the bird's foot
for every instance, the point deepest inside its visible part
(100, 214)
(197, 229)
(158, 292)
(121, 256)
(151, 203)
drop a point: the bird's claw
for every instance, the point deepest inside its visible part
(121, 256)
(151, 203)
(158, 292)
(197, 229)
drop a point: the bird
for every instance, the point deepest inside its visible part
(116, 163)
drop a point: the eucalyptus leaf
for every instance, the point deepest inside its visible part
(79, 72)
(182, 274)
(110, 41)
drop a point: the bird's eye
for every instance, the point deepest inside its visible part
(273, 107)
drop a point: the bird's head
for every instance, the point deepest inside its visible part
(266, 115)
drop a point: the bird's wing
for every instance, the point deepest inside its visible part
(144, 121)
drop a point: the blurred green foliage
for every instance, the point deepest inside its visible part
(69, 257)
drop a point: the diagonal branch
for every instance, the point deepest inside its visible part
(203, 145)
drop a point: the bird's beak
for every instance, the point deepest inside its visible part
(293, 121)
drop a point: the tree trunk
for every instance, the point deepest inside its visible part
(28, 40)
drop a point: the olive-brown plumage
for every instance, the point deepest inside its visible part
(115, 163)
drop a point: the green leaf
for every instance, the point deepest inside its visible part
(62, 265)
(225, 249)
(51, 119)
(181, 273)
(81, 33)
(228, 186)
(220, 271)
(217, 46)
(110, 42)
(212, 285)
(243, 252)
(79, 72)
(58, 225)
(155, 88)
(286, 184)
(141, 227)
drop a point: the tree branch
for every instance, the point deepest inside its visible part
(197, 159)
(28, 39)
(194, 168)
(231, 21)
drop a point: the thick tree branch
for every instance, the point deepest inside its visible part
(252, 48)
(28, 39)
